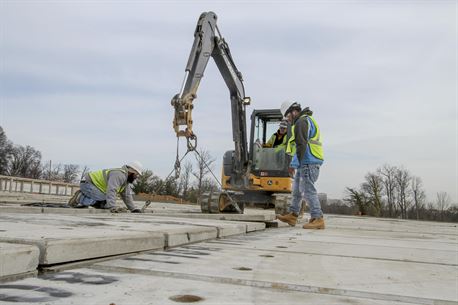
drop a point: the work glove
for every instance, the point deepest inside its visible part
(136, 211)
(118, 210)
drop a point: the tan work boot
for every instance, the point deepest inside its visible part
(315, 223)
(290, 218)
(73, 202)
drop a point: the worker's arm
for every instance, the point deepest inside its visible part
(271, 141)
(301, 135)
(126, 196)
(116, 180)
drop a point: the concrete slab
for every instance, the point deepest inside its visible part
(286, 258)
(17, 259)
(86, 286)
(153, 222)
(175, 231)
(68, 238)
(341, 264)
(232, 217)
(10, 208)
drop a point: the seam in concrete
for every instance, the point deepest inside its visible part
(395, 239)
(389, 231)
(281, 286)
(166, 240)
(335, 255)
(16, 277)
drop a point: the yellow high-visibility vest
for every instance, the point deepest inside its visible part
(314, 143)
(100, 179)
(280, 146)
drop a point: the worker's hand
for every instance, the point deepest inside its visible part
(136, 211)
(291, 171)
(118, 210)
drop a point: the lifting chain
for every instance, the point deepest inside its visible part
(191, 144)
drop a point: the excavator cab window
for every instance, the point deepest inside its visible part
(273, 161)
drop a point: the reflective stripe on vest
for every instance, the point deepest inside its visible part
(100, 179)
(313, 142)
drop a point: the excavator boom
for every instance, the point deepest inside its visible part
(208, 42)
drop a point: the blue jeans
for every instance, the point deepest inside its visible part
(304, 188)
(90, 194)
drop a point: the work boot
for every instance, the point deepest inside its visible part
(314, 223)
(74, 201)
(290, 218)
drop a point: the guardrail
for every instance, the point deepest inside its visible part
(36, 186)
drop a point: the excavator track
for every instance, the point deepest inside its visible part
(218, 202)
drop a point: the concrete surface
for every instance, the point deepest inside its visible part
(17, 259)
(66, 238)
(86, 286)
(354, 260)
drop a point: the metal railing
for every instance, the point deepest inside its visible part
(36, 186)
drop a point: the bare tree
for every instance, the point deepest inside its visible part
(373, 187)
(52, 172)
(204, 164)
(402, 179)
(388, 179)
(185, 180)
(418, 195)
(84, 171)
(25, 162)
(6, 150)
(70, 173)
(443, 202)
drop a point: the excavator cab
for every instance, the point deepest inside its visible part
(267, 161)
(269, 183)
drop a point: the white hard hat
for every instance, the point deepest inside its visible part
(136, 166)
(286, 105)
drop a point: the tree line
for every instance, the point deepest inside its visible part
(393, 191)
(193, 181)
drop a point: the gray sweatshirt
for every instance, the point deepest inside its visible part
(301, 134)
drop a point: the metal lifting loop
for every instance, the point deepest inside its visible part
(191, 146)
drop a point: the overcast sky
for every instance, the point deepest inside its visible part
(90, 82)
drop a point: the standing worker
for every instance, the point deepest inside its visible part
(99, 188)
(279, 139)
(305, 147)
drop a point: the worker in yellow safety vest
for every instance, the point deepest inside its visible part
(279, 139)
(306, 149)
(100, 188)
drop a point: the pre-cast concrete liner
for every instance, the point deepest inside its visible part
(65, 238)
(17, 259)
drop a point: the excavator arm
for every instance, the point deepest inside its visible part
(208, 42)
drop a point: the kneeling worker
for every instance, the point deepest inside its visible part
(99, 188)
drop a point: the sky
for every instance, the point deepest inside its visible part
(90, 82)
